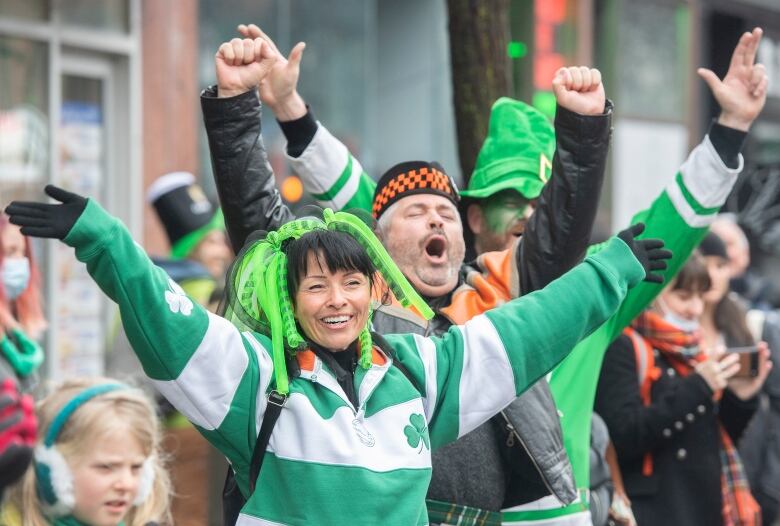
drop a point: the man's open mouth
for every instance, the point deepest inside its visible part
(436, 247)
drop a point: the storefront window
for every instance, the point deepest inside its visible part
(79, 304)
(25, 10)
(652, 60)
(108, 15)
(24, 133)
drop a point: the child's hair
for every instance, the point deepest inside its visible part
(29, 305)
(127, 410)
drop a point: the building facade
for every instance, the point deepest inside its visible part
(70, 115)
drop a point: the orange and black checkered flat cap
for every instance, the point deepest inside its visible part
(409, 178)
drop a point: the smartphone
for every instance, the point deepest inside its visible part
(748, 360)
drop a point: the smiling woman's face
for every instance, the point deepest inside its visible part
(332, 307)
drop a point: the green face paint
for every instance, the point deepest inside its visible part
(503, 210)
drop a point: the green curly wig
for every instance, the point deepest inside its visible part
(258, 296)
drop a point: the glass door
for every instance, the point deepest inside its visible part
(78, 329)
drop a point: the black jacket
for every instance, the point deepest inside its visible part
(760, 447)
(680, 429)
(555, 240)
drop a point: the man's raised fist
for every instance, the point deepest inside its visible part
(242, 64)
(579, 89)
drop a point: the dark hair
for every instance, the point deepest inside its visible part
(334, 250)
(730, 318)
(713, 245)
(693, 275)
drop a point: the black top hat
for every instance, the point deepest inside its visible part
(181, 205)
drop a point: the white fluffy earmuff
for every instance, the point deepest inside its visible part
(55, 481)
(145, 482)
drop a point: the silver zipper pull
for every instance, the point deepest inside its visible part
(510, 437)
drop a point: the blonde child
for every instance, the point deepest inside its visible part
(97, 461)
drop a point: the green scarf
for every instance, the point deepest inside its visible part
(25, 356)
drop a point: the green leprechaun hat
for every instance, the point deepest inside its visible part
(517, 153)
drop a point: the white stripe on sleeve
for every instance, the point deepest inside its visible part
(206, 386)
(707, 180)
(487, 383)
(427, 350)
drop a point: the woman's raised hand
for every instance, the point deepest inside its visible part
(746, 388)
(650, 253)
(45, 220)
(716, 372)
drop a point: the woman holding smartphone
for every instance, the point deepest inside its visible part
(674, 411)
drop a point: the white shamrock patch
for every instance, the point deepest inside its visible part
(177, 299)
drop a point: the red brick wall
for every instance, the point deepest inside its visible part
(170, 99)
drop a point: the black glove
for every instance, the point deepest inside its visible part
(43, 220)
(649, 252)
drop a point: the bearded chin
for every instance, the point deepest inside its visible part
(437, 277)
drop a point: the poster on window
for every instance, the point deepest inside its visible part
(24, 145)
(79, 333)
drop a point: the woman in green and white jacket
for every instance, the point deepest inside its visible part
(353, 441)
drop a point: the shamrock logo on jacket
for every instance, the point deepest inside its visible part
(177, 299)
(416, 431)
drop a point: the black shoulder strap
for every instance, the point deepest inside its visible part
(272, 411)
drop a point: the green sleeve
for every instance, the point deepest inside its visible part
(680, 216)
(473, 371)
(198, 361)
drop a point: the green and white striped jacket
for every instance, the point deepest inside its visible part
(329, 462)
(680, 215)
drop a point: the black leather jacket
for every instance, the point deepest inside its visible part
(555, 240)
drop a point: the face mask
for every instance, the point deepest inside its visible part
(16, 276)
(685, 325)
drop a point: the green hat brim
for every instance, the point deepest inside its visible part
(184, 246)
(528, 186)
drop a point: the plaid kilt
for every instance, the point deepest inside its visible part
(447, 514)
